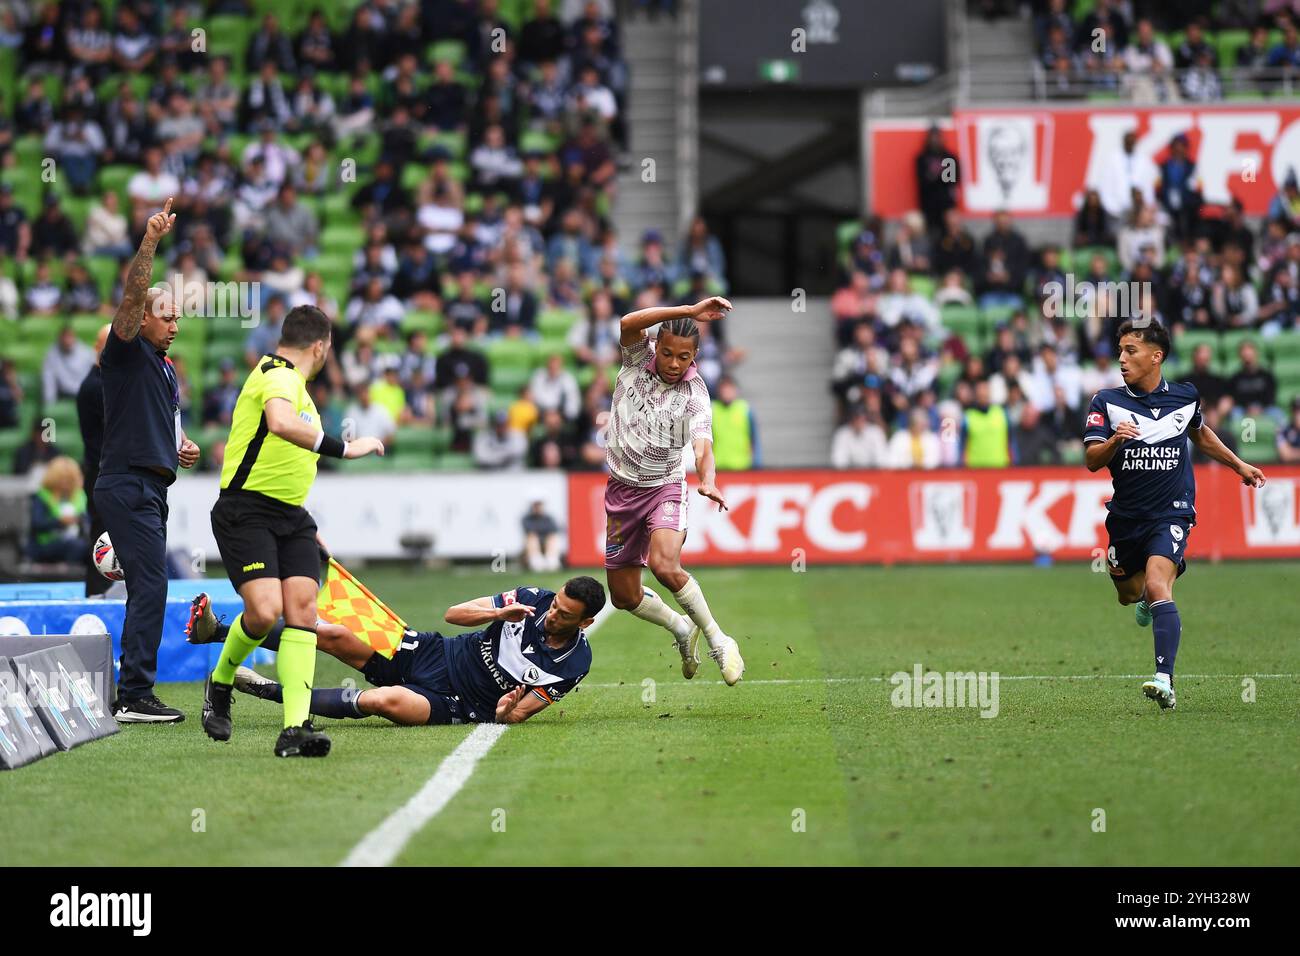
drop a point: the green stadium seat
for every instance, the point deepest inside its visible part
(1287, 369)
(227, 35)
(965, 320)
(41, 330)
(415, 440)
(997, 314)
(87, 326)
(341, 238)
(1187, 342)
(114, 177)
(451, 50)
(27, 356)
(454, 461)
(428, 322)
(402, 460)
(1263, 450)
(515, 353)
(922, 285)
(1230, 341)
(556, 323)
(1286, 345)
(507, 380)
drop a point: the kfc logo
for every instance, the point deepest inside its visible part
(1095, 418)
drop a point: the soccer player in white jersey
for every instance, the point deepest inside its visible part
(660, 406)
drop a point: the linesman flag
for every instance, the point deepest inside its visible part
(345, 600)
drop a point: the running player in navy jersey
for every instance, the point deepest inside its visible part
(1144, 432)
(530, 654)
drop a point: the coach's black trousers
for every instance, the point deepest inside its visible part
(133, 508)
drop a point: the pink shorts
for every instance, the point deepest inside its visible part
(631, 514)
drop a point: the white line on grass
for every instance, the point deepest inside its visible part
(381, 845)
(862, 680)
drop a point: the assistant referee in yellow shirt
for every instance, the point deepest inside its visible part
(266, 537)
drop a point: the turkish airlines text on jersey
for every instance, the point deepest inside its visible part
(882, 517)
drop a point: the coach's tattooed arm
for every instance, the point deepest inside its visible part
(1210, 444)
(135, 292)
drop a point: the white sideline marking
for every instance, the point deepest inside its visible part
(863, 680)
(381, 845)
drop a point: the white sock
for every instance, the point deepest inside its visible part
(653, 609)
(691, 600)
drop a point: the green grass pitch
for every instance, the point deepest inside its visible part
(703, 773)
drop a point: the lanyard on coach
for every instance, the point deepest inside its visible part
(172, 380)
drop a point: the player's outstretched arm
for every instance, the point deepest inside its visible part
(283, 423)
(634, 324)
(484, 611)
(1097, 454)
(135, 291)
(518, 705)
(1210, 443)
(707, 470)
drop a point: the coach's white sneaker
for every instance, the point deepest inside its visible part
(727, 653)
(1161, 691)
(689, 648)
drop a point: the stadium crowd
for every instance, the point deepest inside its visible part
(1162, 50)
(437, 176)
(985, 354)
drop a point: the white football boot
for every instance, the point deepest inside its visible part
(689, 648)
(1161, 690)
(727, 653)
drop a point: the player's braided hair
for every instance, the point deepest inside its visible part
(684, 327)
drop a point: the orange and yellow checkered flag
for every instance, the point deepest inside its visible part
(345, 600)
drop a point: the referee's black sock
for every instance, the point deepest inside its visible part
(1167, 628)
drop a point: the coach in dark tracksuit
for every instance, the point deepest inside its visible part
(90, 417)
(143, 444)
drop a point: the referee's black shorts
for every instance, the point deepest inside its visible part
(260, 537)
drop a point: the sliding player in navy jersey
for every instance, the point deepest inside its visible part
(1144, 433)
(531, 653)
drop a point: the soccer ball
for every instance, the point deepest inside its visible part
(105, 559)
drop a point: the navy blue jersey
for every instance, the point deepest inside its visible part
(485, 664)
(1152, 473)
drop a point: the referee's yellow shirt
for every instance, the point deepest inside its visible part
(258, 461)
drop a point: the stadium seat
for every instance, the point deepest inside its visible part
(1187, 342)
(452, 51)
(454, 461)
(921, 285)
(1287, 369)
(1286, 345)
(965, 320)
(1230, 341)
(556, 323)
(507, 380)
(428, 322)
(1263, 450)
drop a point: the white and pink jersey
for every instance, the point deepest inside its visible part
(651, 421)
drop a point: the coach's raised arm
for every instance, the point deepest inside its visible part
(143, 445)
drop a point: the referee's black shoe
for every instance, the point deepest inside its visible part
(216, 709)
(146, 710)
(304, 741)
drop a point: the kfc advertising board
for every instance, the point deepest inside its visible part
(1038, 161)
(882, 517)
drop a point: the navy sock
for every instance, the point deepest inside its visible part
(1168, 628)
(272, 640)
(337, 702)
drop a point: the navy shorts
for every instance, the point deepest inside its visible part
(1133, 541)
(420, 665)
